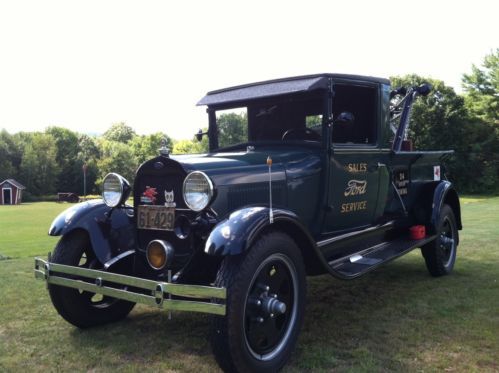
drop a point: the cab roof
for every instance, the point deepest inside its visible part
(278, 87)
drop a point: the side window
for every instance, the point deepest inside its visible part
(232, 126)
(286, 118)
(354, 114)
(313, 121)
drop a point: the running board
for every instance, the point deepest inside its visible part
(364, 261)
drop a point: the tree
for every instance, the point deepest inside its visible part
(442, 121)
(482, 100)
(191, 146)
(147, 146)
(116, 157)
(482, 89)
(436, 119)
(232, 129)
(66, 141)
(39, 167)
(88, 154)
(119, 132)
(10, 158)
(88, 148)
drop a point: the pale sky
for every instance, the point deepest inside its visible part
(86, 64)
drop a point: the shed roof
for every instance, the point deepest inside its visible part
(13, 182)
(278, 87)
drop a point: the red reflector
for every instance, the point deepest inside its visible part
(418, 232)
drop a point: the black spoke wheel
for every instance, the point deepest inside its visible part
(82, 308)
(270, 307)
(440, 254)
(265, 306)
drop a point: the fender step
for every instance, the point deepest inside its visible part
(366, 260)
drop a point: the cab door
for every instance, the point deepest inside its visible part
(353, 188)
(354, 166)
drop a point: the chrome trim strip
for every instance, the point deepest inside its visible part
(328, 241)
(109, 263)
(159, 291)
(354, 150)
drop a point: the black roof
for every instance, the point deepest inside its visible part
(278, 87)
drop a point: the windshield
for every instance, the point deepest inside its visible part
(280, 119)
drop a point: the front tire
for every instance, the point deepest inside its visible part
(265, 306)
(440, 254)
(81, 308)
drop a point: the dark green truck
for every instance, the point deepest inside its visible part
(304, 176)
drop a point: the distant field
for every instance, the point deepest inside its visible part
(397, 318)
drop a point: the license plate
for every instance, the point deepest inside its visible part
(156, 217)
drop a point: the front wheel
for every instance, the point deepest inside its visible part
(440, 254)
(265, 306)
(82, 308)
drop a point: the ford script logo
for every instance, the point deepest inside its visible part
(356, 188)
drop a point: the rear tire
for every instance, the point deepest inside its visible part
(80, 308)
(265, 306)
(440, 254)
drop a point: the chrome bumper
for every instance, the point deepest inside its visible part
(160, 292)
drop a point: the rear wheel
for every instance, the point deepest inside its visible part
(82, 308)
(440, 254)
(265, 306)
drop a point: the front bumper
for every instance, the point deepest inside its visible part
(153, 293)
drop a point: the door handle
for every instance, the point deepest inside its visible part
(375, 166)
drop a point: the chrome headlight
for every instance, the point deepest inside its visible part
(115, 189)
(197, 190)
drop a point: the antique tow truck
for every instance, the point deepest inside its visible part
(315, 176)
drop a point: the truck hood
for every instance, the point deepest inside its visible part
(242, 167)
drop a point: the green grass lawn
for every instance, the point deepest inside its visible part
(23, 228)
(397, 318)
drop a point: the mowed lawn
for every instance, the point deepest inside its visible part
(397, 318)
(23, 228)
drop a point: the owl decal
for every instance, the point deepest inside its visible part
(169, 199)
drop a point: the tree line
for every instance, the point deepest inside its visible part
(467, 123)
(52, 161)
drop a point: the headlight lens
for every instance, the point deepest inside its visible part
(198, 190)
(113, 189)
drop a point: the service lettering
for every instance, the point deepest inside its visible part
(353, 206)
(357, 167)
(355, 188)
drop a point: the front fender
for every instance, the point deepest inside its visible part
(235, 234)
(109, 235)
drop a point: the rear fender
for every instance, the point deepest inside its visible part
(110, 233)
(445, 193)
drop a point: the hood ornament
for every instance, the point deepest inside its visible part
(164, 151)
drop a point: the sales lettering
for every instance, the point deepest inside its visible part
(357, 167)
